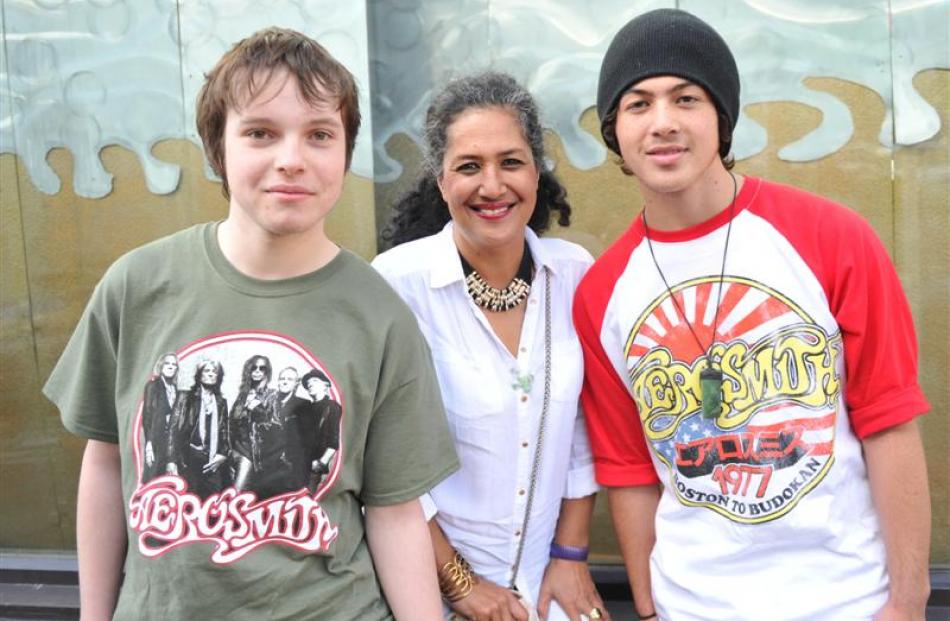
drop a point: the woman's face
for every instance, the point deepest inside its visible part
(259, 370)
(489, 180)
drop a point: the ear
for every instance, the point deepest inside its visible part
(438, 182)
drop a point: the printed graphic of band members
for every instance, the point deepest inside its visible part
(254, 425)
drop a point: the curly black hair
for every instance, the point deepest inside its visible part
(422, 211)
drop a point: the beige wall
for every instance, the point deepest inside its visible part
(55, 248)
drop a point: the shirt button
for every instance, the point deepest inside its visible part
(532, 301)
(521, 492)
(524, 444)
(518, 533)
(524, 398)
(524, 350)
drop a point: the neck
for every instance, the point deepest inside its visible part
(704, 199)
(265, 256)
(497, 265)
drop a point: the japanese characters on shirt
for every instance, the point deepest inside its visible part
(238, 461)
(773, 440)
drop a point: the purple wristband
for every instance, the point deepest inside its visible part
(568, 553)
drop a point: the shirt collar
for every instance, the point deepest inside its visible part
(447, 267)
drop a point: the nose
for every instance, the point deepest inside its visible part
(290, 157)
(665, 119)
(492, 184)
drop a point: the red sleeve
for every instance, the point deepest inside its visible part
(621, 456)
(867, 300)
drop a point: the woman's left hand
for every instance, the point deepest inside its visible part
(569, 583)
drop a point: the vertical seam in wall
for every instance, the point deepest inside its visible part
(16, 160)
(890, 59)
(48, 452)
(181, 77)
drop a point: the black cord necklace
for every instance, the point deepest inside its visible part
(497, 300)
(710, 378)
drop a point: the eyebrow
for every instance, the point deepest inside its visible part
(327, 119)
(505, 153)
(678, 87)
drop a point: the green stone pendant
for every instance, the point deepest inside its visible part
(710, 385)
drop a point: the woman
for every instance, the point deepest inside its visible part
(494, 302)
(253, 408)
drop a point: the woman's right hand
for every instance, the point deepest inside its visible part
(490, 602)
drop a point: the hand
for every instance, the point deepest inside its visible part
(897, 612)
(149, 454)
(490, 602)
(214, 464)
(569, 583)
(318, 467)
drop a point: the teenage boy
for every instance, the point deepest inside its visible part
(751, 367)
(278, 118)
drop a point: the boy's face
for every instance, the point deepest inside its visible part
(285, 161)
(668, 133)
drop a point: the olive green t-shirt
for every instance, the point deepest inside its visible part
(224, 519)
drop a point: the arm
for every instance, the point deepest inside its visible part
(402, 552)
(100, 530)
(567, 581)
(898, 477)
(633, 511)
(487, 600)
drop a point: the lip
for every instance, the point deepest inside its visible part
(666, 155)
(289, 191)
(492, 211)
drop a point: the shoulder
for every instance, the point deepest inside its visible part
(143, 273)
(367, 293)
(606, 270)
(566, 253)
(164, 249)
(792, 209)
(407, 259)
(155, 261)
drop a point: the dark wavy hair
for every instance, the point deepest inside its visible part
(247, 383)
(199, 369)
(422, 211)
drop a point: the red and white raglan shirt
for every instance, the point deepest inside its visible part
(766, 510)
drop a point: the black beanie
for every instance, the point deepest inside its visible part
(669, 42)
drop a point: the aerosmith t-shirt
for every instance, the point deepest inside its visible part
(254, 419)
(765, 501)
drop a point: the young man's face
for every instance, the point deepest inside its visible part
(668, 132)
(285, 161)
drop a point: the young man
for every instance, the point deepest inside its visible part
(751, 367)
(278, 117)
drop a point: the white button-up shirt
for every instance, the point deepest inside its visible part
(494, 399)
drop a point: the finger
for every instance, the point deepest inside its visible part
(544, 602)
(517, 609)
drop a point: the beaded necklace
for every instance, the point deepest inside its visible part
(497, 300)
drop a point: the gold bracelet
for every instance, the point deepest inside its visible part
(456, 579)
